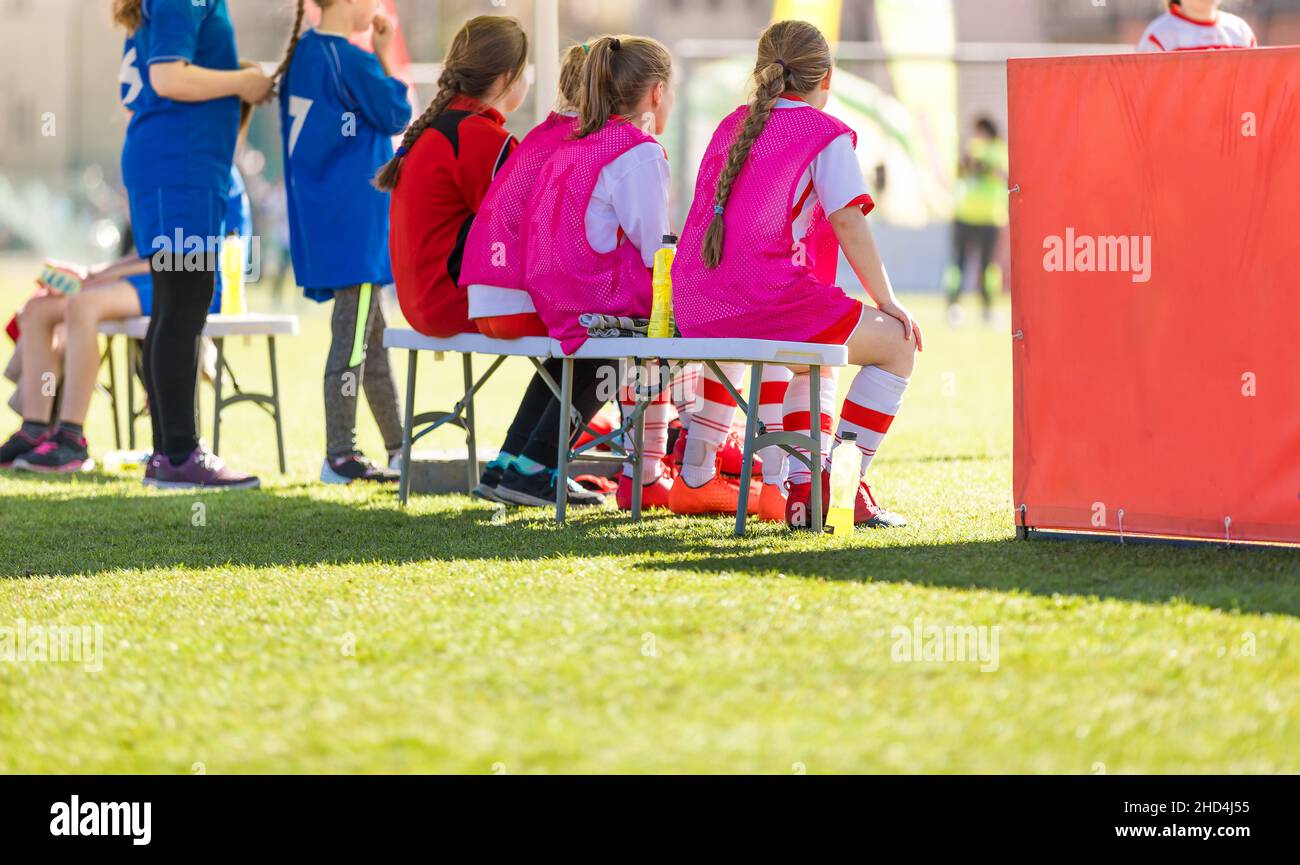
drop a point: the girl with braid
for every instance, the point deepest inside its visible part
(779, 193)
(340, 106)
(438, 181)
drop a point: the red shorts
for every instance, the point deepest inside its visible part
(515, 326)
(839, 332)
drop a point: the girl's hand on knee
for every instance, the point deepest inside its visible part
(894, 309)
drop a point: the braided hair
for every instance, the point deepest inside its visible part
(295, 36)
(483, 50)
(793, 57)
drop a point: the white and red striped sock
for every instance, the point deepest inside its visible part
(798, 419)
(714, 412)
(685, 387)
(655, 440)
(874, 399)
(771, 404)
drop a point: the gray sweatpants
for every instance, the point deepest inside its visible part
(357, 359)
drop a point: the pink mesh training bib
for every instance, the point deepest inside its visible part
(766, 286)
(564, 276)
(493, 253)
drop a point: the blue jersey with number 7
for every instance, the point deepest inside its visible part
(338, 115)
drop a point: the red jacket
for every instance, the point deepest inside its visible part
(444, 178)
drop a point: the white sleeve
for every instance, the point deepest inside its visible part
(1148, 42)
(837, 176)
(640, 199)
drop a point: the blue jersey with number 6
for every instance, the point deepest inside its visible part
(338, 114)
(181, 144)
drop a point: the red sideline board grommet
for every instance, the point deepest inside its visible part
(1155, 229)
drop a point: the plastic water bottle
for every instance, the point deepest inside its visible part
(846, 475)
(232, 276)
(661, 308)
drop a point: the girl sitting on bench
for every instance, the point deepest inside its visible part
(597, 216)
(779, 192)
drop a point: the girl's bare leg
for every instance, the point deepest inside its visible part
(879, 341)
(85, 311)
(40, 360)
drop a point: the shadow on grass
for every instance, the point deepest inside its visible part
(1248, 580)
(97, 532)
(57, 533)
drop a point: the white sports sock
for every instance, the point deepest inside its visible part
(874, 399)
(715, 409)
(798, 419)
(776, 381)
(655, 440)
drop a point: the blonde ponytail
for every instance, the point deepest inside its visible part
(617, 74)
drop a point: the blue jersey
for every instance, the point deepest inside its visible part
(338, 114)
(180, 144)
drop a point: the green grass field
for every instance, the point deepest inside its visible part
(306, 629)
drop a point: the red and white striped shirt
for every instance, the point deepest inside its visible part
(1175, 31)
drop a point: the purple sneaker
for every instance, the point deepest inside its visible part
(19, 444)
(202, 470)
(60, 453)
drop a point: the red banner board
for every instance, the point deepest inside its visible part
(1156, 293)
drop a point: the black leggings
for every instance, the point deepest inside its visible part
(171, 357)
(535, 432)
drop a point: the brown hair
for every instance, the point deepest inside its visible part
(483, 50)
(572, 65)
(295, 36)
(793, 57)
(128, 14)
(618, 72)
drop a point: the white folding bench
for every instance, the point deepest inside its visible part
(218, 328)
(754, 352)
(535, 348)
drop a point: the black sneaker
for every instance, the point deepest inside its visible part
(538, 491)
(60, 453)
(356, 468)
(19, 444)
(488, 483)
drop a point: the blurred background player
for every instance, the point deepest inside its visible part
(980, 215)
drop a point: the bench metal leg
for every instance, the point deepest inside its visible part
(638, 441)
(815, 452)
(408, 427)
(751, 432)
(471, 439)
(275, 401)
(134, 362)
(113, 391)
(562, 465)
(216, 394)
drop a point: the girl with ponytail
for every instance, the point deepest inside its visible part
(493, 276)
(778, 195)
(438, 180)
(340, 107)
(597, 216)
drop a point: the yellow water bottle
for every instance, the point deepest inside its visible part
(846, 475)
(232, 276)
(661, 307)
